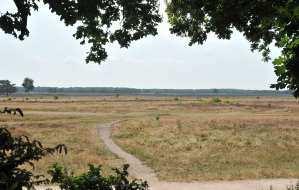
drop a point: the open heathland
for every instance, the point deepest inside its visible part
(181, 138)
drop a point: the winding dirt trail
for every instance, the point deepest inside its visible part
(141, 171)
(137, 168)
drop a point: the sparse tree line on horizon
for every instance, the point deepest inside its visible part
(7, 87)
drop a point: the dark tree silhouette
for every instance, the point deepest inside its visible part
(28, 84)
(99, 22)
(13, 111)
(262, 22)
(19, 151)
(6, 87)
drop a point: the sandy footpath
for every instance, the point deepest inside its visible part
(141, 171)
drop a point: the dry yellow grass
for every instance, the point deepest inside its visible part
(83, 144)
(183, 139)
(77, 131)
(234, 139)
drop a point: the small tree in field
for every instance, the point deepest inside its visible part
(6, 87)
(28, 84)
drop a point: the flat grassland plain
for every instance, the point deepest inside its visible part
(182, 139)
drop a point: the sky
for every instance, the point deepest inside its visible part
(52, 57)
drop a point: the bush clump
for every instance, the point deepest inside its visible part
(16, 152)
(94, 180)
(19, 151)
(216, 100)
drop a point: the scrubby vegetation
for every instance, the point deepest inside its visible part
(16, 152)
(93, 179)
(207, 148)
(179, 129)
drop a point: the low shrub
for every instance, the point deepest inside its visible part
(216, 100)
(94, 180)
(19, 151)
(16, 152)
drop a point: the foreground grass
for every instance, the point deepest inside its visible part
(84, 146)
(77, 131)
(183, 139)
(219, 144)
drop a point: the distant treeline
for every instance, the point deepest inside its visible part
(92, 91)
